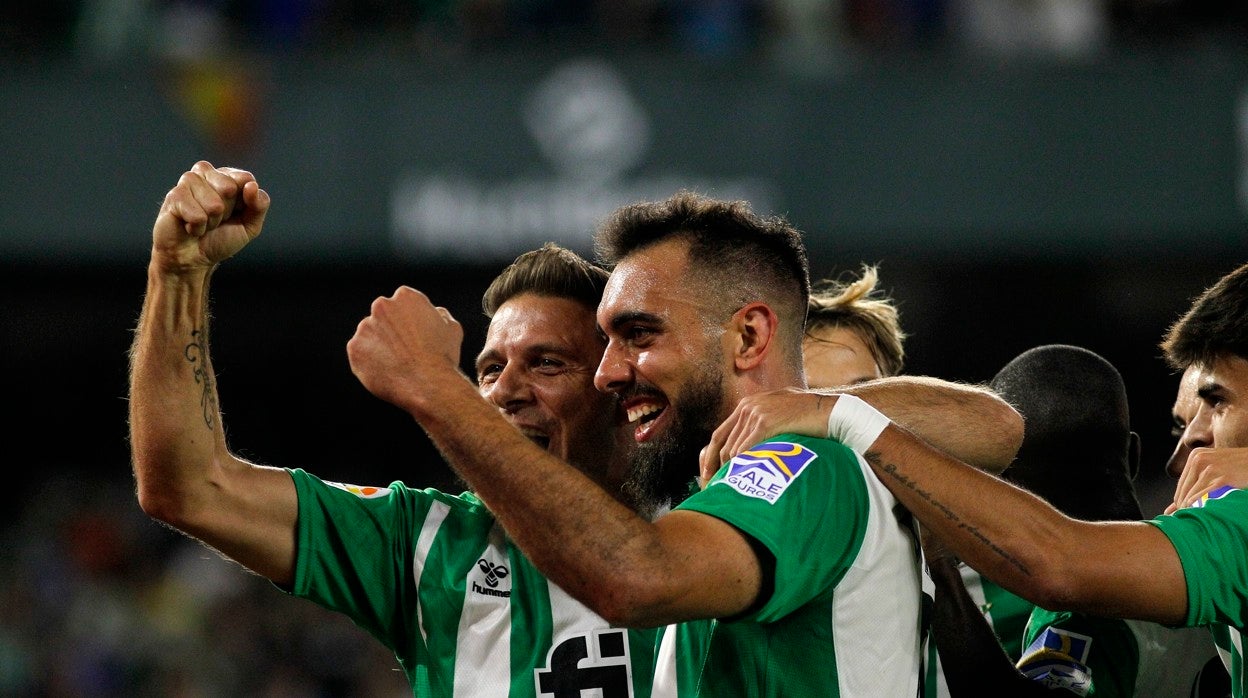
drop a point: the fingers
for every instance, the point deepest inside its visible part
(1190, 477)
(216, 191)
(193, 203)
(255, 206)
(205, 196)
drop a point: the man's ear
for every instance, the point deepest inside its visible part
(755, 326)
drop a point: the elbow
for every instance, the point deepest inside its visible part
(1048, 591)
(1011, 430)
(624, 604)
(1049, 583)
(163, 497)
(1001, 450)
(635, 599)
(161, 505)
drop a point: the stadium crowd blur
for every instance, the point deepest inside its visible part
(96, 600)
(119, 29)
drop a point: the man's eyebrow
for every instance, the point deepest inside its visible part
(633, 316)
(484, 356)
(1207, 390)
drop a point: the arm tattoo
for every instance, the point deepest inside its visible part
(194, 353)
(877, 461)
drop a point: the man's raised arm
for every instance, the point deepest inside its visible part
(185, 475)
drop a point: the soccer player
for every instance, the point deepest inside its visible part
(790, 551)
(430, 574)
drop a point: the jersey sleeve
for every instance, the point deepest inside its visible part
(1080, 654)
(805, 501)
(355, 549)
(1209, 539)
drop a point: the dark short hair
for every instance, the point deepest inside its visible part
(1216, 324)
(552, 271)
(1077, 450)
(739, 255)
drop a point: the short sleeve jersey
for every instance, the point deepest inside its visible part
(1210, 539)
(842, 618)
(433, 577)
(1113, 658)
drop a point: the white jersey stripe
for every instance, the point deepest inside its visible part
(483, 644)
(877, 602)
(665, 666)
(428, 532)
(1237, 650)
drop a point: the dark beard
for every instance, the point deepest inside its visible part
(664, 470)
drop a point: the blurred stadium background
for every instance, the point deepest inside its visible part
(1023, 171)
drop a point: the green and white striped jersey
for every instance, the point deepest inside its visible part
(434, 578)
(1211, 539)
(1113, 658)
(842, 618)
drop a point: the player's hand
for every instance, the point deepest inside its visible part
(403, 346)
(1208, 469)
(761, 416)
(211, 214)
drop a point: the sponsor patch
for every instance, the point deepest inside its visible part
(766, 471)
(362, 491)
(1058, 659)
(1215, 493)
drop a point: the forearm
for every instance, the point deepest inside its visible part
(975, 514)
(175, 423)
(627, 569)
(184, 472)
(1117, 569)
(969, 422)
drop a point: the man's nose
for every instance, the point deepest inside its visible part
(510, 388)
(613, 372)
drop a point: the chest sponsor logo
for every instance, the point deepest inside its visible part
(492, 579)
(766, 471)
(594, 664)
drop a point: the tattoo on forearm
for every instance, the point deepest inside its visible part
(195, 354)
(890, 469)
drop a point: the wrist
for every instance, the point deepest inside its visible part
(855, 423)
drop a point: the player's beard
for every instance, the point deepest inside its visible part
(664, 469)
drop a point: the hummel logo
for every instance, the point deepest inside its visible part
(493, 572)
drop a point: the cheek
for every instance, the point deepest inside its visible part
(1231, 430)
(659, 367)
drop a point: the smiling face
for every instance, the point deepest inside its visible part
(538, 367)
(834, 356)
(664, 361)
(658, 343)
